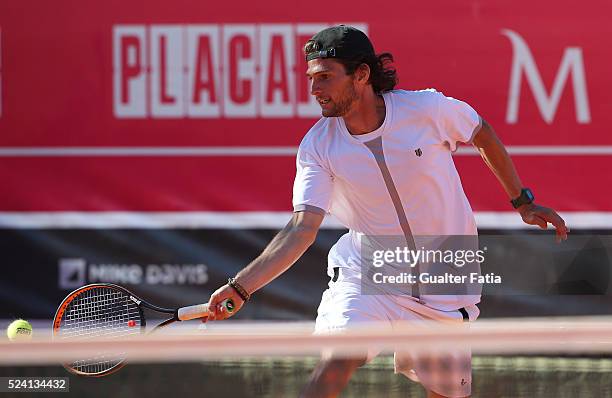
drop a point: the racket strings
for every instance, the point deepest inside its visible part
(100, 313)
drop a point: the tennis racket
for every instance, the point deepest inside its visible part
(104, 310)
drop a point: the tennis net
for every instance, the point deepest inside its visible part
(554, 357)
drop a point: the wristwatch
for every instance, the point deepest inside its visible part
(524, 198)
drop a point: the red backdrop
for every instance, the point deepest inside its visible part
(191, 75)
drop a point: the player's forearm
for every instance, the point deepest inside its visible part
(280, 254)
(497, 159)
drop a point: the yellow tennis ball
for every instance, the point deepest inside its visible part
(19, 330)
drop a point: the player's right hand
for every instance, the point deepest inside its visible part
(216, 310)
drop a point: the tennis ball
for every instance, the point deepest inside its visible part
(19, 330)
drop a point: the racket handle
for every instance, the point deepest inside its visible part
(201, 310)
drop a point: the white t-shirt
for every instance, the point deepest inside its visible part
(397, 180)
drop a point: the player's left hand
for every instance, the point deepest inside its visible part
(539, 215)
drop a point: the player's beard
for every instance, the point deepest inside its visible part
(342, 105)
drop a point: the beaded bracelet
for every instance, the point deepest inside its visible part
(239, 289)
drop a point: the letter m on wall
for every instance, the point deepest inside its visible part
(572, 62)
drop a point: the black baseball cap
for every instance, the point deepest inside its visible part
(340, 42)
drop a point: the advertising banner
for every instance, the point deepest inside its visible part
(146, 107)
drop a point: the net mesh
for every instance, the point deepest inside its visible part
(257, 377)
(99, 313)
(570, 357)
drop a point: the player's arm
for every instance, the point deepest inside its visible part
(497, 159)
(280, 254)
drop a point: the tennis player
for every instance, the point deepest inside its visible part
(380, 161)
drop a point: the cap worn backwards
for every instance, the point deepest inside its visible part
(340, 42)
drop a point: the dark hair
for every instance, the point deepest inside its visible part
(383, 76)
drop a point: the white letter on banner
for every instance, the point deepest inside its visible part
(523, 61)
(277, 70)
(129, 71)
(307, 106)
(204, 73)
(240, 78)
(167, 72)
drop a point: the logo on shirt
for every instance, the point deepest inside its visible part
(418, 152)
(463, 382)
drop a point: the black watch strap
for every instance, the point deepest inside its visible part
(524, 198)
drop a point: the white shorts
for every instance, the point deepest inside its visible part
(344, 307)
